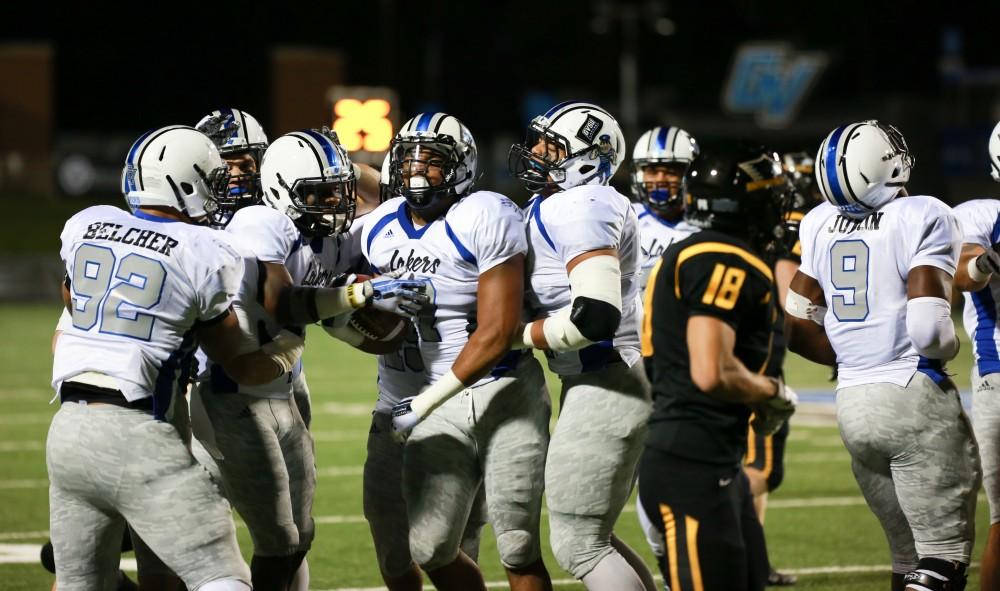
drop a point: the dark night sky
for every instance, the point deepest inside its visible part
(133, 68)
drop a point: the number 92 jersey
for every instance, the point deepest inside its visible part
(706, 274)
(477, 233)
(862, 266)
(139, 286)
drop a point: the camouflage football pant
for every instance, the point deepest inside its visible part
(108, 465)
(493, 436)
(591, 465)
(385, 508)
(986, 422)
(916, 461)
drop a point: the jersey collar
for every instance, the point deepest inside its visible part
(152, 218)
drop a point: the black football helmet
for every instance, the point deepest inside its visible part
(739, 189)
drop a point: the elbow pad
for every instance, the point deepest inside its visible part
(596, 311)
(928, 322)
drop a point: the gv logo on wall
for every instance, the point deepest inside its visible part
(770, 81)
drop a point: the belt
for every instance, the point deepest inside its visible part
(87, 393)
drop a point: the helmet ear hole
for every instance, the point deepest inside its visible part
(586, 168)
(895, 172)
(188, 188)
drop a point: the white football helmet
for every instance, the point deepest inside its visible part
(862, 166)
(583, 145)
(308, 176)
(384, 194)
(420, 142)
(234, 131)
(995, 153)
(177, 167)
(661, 145)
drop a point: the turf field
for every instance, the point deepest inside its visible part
(817, 524)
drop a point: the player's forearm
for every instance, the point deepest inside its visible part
(809, 340)
(252, 369)
(963, 279)
(738, 385)
(486, 347)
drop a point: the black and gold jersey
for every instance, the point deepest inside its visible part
(708, 274)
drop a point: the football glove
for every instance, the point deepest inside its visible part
(770, 415)
(404, 419)
(988, 263)
(403, 297)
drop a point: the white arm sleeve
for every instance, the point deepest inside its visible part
(928, 322)
(597, 278)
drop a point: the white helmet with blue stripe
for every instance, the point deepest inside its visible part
(308, 176)
(662, 145)
(995, 153)
(177, 167)
(573, 143)
(234, 131)
(418, 144)
(862, 166)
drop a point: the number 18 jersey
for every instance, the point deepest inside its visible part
(862, 266)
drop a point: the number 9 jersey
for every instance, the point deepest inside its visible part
(140, 284)
(862, 266)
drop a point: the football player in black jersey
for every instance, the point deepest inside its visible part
(708, 340)
(764, 462)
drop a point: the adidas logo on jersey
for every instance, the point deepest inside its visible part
(388, 233)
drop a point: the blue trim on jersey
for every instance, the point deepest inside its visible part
(466, 255)
(377, 228)
(553, 110)
(316, 244)
(986, 323)
(995, 234)
(296, 246)
(167, 380)
(536, 215)
(153, 218)
(407, 225)
(661, 138)
(666, 223)
(596, 357)
(932, 368)
(508, 363)
(831, 167)
(221, 382)
(331, 154)
(424, 122)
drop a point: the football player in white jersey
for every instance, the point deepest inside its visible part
(660, 159)
(400, 376)
(269, 470)
(484, 418)
(142, 289)
(241, 141)
(583, 266)
(978, 275)
(872, 296)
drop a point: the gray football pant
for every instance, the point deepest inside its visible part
(986, 422)
(303, 400)
(493, 436)
(591, 465)
(916, 461)
(108, 465)
(385, 508)
(268, 468)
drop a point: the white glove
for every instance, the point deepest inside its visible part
(403, 297)
(770, 415)
(285, 349)
(988, 262)
(404, 419)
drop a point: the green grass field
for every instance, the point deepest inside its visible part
(817, 524)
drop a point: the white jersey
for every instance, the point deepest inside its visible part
(267, 235)
(400, 374)
(862, 267)
(140, 284)
(564, 226)
(655, 235)
(477, 233)
(980, 220)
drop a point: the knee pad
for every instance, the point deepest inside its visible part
(934, 574)
(578, 552)
(48, 557)
(517, 548)
(431, 557)
(225, 585)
